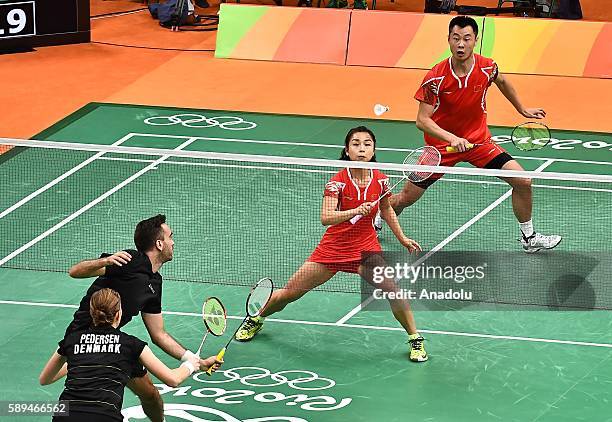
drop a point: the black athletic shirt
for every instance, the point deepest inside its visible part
(99, 364)
(140, 289)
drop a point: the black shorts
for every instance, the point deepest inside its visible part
(138, 371)
(498, 162)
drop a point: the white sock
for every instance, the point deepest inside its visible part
(527, 228)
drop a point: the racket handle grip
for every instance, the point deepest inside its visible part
(453, 149)
(219, 358)
(356, 218)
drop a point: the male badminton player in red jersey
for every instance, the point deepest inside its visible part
(351, 192)
(452, 112)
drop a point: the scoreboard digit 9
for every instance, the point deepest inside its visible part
(31, 23)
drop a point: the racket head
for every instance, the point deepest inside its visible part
(424, 156)
(259, 297)
(214, 316)
(530, 136)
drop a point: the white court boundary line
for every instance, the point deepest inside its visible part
(444, 242)
(58, 179)
(357, 326)
(91, 204)
(309, 144)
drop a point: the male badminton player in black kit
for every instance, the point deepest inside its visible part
(134, 274)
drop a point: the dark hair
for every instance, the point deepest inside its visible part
(349, 136)
(148, 231)
(462, 22)
(103, 306)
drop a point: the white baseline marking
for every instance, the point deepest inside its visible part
(90, 205)
(334, 325)
(59, 179)
(442, 244)
(308, 144)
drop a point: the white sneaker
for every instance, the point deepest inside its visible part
(537, 241)
(378, 222)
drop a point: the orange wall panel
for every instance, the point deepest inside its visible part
(263, 39)
(380, 39)
(599, 62)
(316, 36)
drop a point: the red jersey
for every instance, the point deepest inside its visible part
(345, 242)
(459, 103)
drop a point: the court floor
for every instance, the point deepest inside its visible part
(320, 359)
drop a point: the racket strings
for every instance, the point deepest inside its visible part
(531, 136)
(425, 156)
(259, 297)
(213, 314)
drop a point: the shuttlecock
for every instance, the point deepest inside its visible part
(380, 109)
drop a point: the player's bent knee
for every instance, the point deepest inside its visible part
(522, 183)
(404, 199)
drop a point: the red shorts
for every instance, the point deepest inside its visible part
(346, 267)
(489, 155)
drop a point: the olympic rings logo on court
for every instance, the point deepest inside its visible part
(295, 379)
(199, 121)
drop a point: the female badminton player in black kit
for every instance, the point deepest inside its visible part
(100, 361)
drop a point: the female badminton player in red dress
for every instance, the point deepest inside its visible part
(351, 192)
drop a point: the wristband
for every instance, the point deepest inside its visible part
(187, 355)
(189, 366)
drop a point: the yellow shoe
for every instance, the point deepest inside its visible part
(417, 348)
(250, 327)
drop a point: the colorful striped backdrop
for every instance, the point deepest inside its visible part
(410, 40)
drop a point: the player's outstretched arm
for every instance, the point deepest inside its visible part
(388, 214)
(170, 377)
(508, 90)
(155, 326)
(97, 267)
(53, 370)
